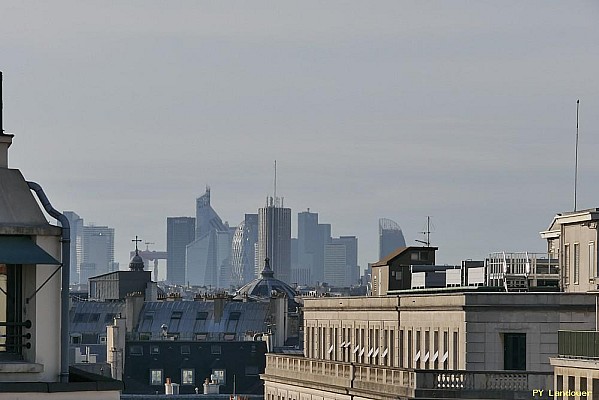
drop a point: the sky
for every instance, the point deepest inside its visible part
(464, 111)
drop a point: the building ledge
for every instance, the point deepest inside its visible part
(19, 367)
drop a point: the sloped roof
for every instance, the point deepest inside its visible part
(190, 317)
(399, 251)
(17, 204)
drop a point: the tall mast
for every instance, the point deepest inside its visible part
(576, 155)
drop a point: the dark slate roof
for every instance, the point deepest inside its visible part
(93, 317)
(189, 318)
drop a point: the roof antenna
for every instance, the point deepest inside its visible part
(427, 233)
(1, 106)
(576, 155)
(275, 193)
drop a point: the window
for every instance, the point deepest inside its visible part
(234, 316)
(219, 376)
(576, 263)
(75, 338)
(185, 349)
(566, 264)
(80, 317)
(251, 370)
(410, 365)
(11, 304)
(176, 314)
(136, 350)
(444, 360)
(94, 317)
(571, 382)
(201, 316)
(591, 261)
(154, 350)
(109, 317)
(149, 316)
(401, 347)
(436, 350)
(215, 349)
(514, 351)
(456, 348)
(187, 377)
(156, 377)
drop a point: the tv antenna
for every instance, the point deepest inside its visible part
(576, 155)
(427, 233)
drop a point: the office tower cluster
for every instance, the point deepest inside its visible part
(317, 257)
(205, 251)
(92, 249)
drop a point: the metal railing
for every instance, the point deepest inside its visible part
(12, 336)
(578, 344)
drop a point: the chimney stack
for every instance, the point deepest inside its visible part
(5, 138)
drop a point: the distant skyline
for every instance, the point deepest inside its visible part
(464, 111)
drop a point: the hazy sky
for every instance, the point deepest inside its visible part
(461, 110)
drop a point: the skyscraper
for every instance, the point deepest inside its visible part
(180, 231)
(243, 250)
(312, 237)
(390, 237)
(98, 252)
(274, 239)
(341, 261)
(209, 255)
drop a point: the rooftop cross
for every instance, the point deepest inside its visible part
(136, 240)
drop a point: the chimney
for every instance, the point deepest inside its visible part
(5, 138)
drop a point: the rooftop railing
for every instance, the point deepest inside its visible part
(578, 344)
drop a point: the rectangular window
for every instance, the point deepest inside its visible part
(215, 349)
(514, 351)
(252, 370)
(187, 377)
(156, 377)
(154, 350)
(435, 350)
(176, 314)
(391, 348)
(592, 268)
(445, 358)
(11, 304)
(571, 382)
(427, 347)
(456, 348)
(234, 316)
(566, 264)
(576, 263)
(417, 356)
(410, 365)
(401, 347)
(185, 349)
(201, 316)
(219, 376)
(136, 350)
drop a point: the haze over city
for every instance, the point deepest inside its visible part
(464, 111)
